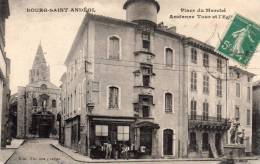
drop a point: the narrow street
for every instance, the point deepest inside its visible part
(39, 151)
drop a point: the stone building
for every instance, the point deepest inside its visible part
(4, 77)
(121, 84)
(140, 83)
(38, 102)
(256, 116)
(206, 93)
(240, 108)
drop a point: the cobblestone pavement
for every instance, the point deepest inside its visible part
(39, 151)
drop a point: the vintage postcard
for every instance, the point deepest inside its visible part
(129, 81)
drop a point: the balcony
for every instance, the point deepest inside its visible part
(199, 122)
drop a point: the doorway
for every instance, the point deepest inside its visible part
(146, 140)
(168, 142)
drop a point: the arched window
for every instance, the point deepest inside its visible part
(43, 86)
(168, 57)
(168, 102)
(168, 142)
(35, 104)
(113, 98)
(114, 48)
(53, 103)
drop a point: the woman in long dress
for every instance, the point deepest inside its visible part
(240, 36)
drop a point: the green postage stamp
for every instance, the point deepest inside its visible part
(241, 40)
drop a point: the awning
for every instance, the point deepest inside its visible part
(148, 124)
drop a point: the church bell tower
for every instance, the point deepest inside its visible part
(40, 71)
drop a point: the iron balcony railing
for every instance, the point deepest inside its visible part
(207, 118)
(208, 122)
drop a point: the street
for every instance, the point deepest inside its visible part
(39, 151)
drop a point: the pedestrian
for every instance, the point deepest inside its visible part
(108, 149)
(125, 150)
(115, 149)
(120, 149)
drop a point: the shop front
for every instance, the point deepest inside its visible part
(117, 131)
(139, 136)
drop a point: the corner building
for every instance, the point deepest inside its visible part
(123, 83)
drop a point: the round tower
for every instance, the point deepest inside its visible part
(141, 10)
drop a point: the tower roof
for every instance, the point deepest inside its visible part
(128, 2)
(39, 58)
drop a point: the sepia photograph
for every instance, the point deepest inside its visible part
(129, 81)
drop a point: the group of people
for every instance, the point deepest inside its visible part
(114, 150)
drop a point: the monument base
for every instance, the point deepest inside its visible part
(234, 150)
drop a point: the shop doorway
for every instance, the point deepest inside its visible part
(146, 140)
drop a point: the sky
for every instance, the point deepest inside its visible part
(56, 31)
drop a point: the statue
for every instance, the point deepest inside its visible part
(240, 136)
(44, 103)
(233, 131)
(237, 134)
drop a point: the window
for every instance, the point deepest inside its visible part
(169, 57)
(146, 111)
(53, 103)
(248, 117)
(219, 64)
(123, 133)
(205, 114)
(193, 81)
(147, 73)
(193, 112)
(219, 112)
(237, 89)
(43, 86)
(114, 47)
(168, 102)
(101, 130)
(194, 55)
(146, 41)
(35, 104)
(219, 87)
(146, 80)
(205, 141)
(205, 60)
(113, 98)
(145, 101)
(248, 93)
(206, 84)
(237, 113)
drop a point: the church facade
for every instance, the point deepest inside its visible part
(38, 102)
